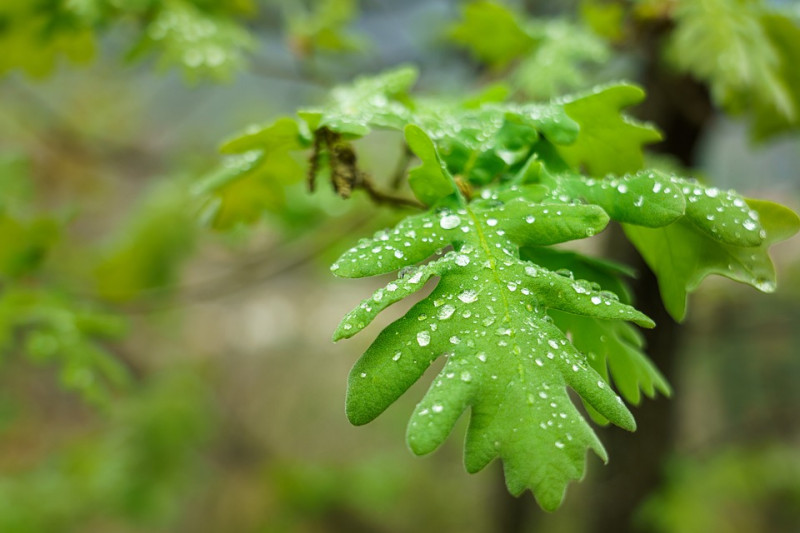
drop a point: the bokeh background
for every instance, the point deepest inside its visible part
(160, 375)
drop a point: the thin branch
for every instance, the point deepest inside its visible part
(383, 198)
(401, 169)
(243, 276)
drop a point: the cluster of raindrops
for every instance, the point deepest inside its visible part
(723, 214)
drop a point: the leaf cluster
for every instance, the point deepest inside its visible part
(516, 321)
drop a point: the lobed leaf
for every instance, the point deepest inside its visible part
(612, 347)
(645, 198)
(608, 142)
(492, 33)
(506, 361)
(370, 101)
(251, 182)
(430, 182)
(684, 253)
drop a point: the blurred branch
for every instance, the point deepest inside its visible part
(401, 169)
(256, 270)
(270, 72)
(96, 145)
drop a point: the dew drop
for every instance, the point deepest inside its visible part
(468, 296)
(462, 260)
(450, 221)
(446, 312)
(423, 338)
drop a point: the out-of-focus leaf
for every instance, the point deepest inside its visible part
(370, 101)
(249, 184)
(53, 328)
(492, 33)
(323, 26)
(784, 34)
(33, 38)
(604, 18)
(151, 247)
(608, 141)
(559, 60)
(747, 55)
(700, 492)
(24, 244)
(201, 43)
(136, 470)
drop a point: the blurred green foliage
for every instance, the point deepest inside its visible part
(738, 489)
(138, 467)
(747, 52)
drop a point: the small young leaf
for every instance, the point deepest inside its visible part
(430, 182)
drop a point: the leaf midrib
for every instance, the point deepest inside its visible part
(500, 285)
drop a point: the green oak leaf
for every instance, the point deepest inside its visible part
(768, 120)
(602, 273)
(251, 182)
(203, 44)
(684, 253)
(483, 143)
(505, 359)
(492, 34)
(654, 199)
(370, 101)
(646, 198)
(558, 62)
(431, 181)
(741, 51)
(613, 348)
(608, 141)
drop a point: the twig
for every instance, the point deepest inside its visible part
(383, 198)
(402, 167)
